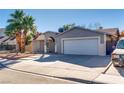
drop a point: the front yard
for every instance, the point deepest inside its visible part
(14, 56)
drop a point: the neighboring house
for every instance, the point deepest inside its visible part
(112, 38)
(3, 38)
(2, 30)
(122, 34)
(82, 41)
(10, 43)
(7, 43)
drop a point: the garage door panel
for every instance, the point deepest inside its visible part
(81, 46)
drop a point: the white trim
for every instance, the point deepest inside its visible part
(97, 37)
(105, 39)
(62, 45)
(102, 51)
(55, 47)
(80, 38)
(45, 47)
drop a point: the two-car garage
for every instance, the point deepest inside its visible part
(80, 46)
(80, 41)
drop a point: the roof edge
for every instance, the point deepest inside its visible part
(77, 27)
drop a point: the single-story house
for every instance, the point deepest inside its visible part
(121, 33)
(77, 40)
(83, 41)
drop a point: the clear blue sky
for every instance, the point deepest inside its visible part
(51, 20)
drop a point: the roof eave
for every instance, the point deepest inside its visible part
(82, 29)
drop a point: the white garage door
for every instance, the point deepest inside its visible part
(81, 46)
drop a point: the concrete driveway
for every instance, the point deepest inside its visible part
(76, 68)
(81, 62)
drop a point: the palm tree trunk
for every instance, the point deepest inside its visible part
(18, 40)
(23, 41)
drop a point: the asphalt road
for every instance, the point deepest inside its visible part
(8, 76)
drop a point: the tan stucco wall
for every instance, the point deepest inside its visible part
(37, 46)
(50, 38)
(28, 48)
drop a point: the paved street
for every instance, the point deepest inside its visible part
(15, 76)
(8, 76)
(81, 69)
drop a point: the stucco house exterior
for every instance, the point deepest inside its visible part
(44, 43)
(82, 41)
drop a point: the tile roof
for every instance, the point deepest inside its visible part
(10, 41)
(111, 31)
(40, 37)
(4, 39)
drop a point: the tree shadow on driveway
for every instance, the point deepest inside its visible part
(82, 60)
(4, 63)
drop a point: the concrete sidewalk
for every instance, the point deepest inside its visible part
(109, 79)
(9, 76)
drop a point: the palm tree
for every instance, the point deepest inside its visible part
(66, 27)
(29, 29)
(19, 26)
(14, 27)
